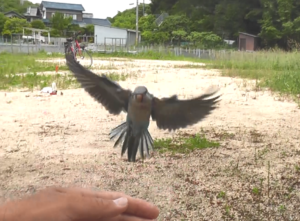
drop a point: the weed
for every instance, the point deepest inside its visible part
(117, 77)
(255, 191)
(150, 54)
(183, 143)
(282, 208)
(221, 194)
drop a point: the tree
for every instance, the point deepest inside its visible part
(14, 5)
(14, 26)
(3, 19)
(195, 37)
(229, 19)
(175, 22)
(155, 37)
(60, 23)
(147, 23)
(179, 35)
(127, 18)
(89, 29)
(124, 20)
(38, 24)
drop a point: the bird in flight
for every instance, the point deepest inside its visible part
(169, 113)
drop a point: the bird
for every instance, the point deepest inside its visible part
(169, 113)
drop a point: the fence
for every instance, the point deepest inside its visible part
(15, 45)
(177, 51)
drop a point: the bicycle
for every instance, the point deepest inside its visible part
(81, 55)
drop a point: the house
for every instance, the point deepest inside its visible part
(87, 15)
(248, 42)
(33, 13)
(107, 35)
(13, 14)
(97, 21)
(75, 11)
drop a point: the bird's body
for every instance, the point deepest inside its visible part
(136, 134)
(140, 105)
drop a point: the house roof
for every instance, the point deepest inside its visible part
(15, 13)
(64, 6)
(97, 21)
(73, 22)
(248, 34)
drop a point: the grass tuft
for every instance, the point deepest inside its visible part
(117, 77)
(183, 144)
(151, 55)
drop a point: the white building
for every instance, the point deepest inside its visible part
(115, 36)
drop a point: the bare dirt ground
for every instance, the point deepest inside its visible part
(63, 140)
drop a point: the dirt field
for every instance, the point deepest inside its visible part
(63, 140)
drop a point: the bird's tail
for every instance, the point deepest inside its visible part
(141, 141)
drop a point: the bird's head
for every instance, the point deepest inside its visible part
(139, 93)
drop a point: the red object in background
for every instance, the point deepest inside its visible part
(53, 93)
(56, 68)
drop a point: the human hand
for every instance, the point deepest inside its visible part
(78, 204)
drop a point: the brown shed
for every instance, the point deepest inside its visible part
(247, 42)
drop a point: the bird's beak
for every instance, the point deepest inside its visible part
(139, 97)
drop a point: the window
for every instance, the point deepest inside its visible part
(52, 14)
(67, 15)
(75, 17)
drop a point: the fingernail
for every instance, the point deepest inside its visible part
(121, 201)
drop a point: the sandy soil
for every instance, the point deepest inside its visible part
(63, 140)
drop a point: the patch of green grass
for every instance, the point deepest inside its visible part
(151, 55)
(23, 63)
(20, 70)
(256, 191)
(221, 194)
(35, 81)
(277, 70)
(117, 77)
(189, 66)
(184, 143)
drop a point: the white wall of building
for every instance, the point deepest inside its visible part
(102, 32)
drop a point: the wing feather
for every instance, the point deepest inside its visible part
(172, 113)
(110, 94)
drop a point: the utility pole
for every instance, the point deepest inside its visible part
(143, 7)
(137, 23)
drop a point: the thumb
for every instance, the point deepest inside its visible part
(98, 208)
(121, 202)
(112, 208)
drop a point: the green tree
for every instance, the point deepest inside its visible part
(89, 29)
(147, 23)
(155, 37)
(210, 40)
(14, 26)
(195, 37)
(14, 5)
(229, 19)
(3, 19)
(175, 22)
(179, 35)
(127, 18)
(60, 23)
(38, 24)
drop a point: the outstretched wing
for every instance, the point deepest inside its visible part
(171, 113)
(111, 95)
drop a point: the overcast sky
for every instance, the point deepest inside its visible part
(101, 8)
